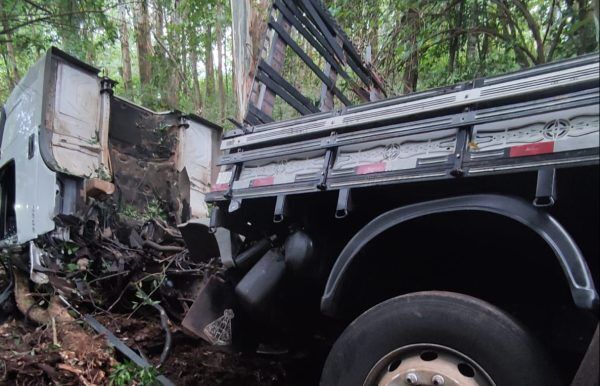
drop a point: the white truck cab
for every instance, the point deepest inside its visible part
(65, 136)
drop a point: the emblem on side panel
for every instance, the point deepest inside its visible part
(556, 129)
(391, 151)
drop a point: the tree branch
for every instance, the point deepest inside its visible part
(42, 19)
(535, 30)
(550, 21)
(182, 76)
(556, 40)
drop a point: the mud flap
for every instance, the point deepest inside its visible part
(210, 316)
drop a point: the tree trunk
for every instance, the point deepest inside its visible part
(159, 23)
(220, 42)
(196, 81)
(208, 61)
(125, 56)
(455, 38)
(88, 37)
(472, 38)
(144, 44)
(596, 10)
(374, 29)
(13, 73)
(248, 27)
(587, 32)
(175, 44)
(411, 69)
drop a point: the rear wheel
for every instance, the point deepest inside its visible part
(436, 338)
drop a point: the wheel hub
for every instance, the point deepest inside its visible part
(427, 365)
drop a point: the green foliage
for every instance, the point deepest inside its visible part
(69, 248)
(131, 211)
(435, 42)
(72, 267)
(89, 30)
(461, 40)
(128, 373)
(153, 210)
(144, 298)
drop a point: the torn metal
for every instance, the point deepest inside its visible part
(91, 188)
(68, 139)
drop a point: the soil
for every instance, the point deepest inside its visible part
(67, 354)
(81, 357)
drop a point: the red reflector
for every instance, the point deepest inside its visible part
(371, 168)
(220, 187)
(264, 181)
(532, 149)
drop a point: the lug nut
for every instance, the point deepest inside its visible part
(437, 380)
(411, 378)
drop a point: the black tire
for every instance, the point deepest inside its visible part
(478, 330)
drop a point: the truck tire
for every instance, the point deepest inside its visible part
(436, 338)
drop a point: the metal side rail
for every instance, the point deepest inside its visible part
(552, 79)
(560, 131)
(496, 114)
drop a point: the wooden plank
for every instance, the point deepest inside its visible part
(326, 23)
(277, 89)
(327, 102)
(294, 20)
(297, 19)
(266, 98)
(262, 65)
(308, 61)
(259, 114)
(324, 29)
(301, 16)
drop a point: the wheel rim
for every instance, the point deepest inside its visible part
(427, 365)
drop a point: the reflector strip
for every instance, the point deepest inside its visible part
(371, 168)
(264, 181)
(220, 187)
(532, 149)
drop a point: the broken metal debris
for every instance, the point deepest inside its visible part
(123, 348)
(109, 260)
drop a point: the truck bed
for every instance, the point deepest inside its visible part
(547, 116)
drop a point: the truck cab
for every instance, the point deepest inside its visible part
(65, 137)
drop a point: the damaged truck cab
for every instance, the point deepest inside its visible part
(65, 137)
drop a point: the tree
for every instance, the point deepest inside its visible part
(220, 42)
(125, 56)
(12, 72)
(411, 68)
(195, 80)
(208, 62)
(143, 42)
(182, 58)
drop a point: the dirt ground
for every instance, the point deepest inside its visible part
(72, 354)
(115, 273)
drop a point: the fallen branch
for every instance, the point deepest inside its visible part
(162, 248)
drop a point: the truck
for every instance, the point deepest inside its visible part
(66, 137)
(444, 237)
(454, 231)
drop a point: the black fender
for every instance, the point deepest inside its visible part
(567, 252)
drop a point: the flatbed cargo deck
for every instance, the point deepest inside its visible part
(543, 116)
